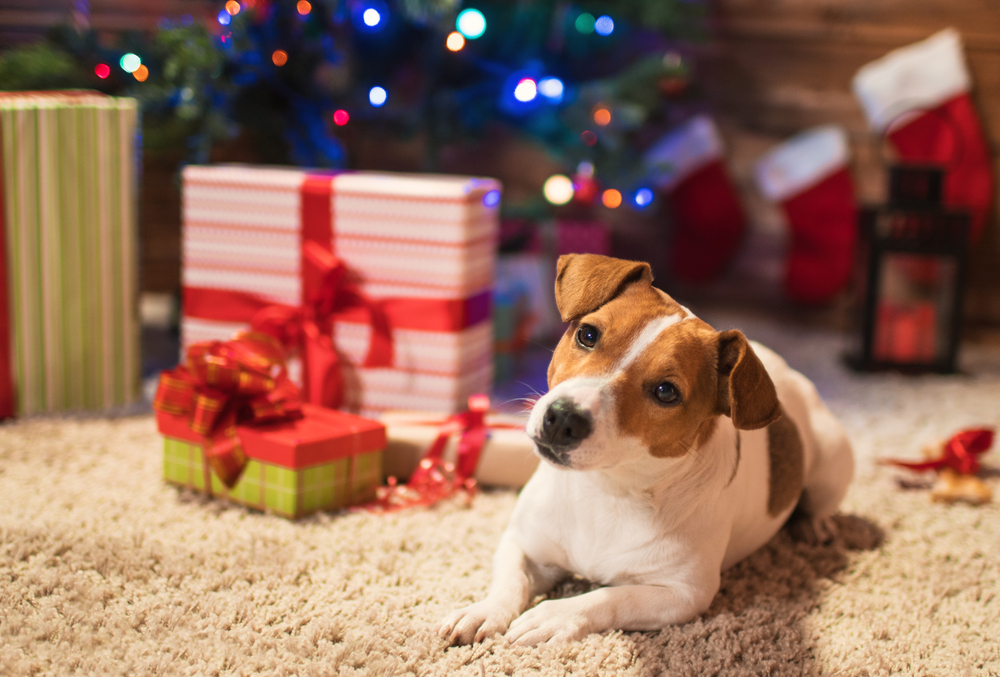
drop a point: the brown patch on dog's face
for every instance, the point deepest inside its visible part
(619, 322)
(683, 358)
(684, 355)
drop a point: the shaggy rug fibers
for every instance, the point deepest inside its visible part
(104, 570)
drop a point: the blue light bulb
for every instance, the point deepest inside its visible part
(643, 197)
(551, 88)
(377, 96)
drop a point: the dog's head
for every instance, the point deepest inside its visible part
(637, 374)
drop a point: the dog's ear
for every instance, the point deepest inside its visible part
(746, 392)
(585, 282)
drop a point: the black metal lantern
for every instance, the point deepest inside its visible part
(913, 255)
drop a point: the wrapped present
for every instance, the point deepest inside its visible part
(506, 458)
(512, 322)
(233, 426)
(69, 333)
(396, 268)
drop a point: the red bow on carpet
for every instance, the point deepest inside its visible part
(435, 479)
(959, 453)
(224, 383)
(308, 328)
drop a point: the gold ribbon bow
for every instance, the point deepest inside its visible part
(225, 383)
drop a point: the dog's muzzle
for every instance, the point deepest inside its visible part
(564, 427)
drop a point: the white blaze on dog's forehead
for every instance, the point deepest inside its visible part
(648, 334)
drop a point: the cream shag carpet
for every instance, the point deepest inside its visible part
(104, 570)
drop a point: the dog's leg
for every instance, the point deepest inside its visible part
(626, 607)
(516, 580)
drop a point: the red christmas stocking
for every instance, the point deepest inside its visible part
(807, 175)
(707, 215)
(918, 96)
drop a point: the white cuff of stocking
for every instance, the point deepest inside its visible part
(683, 151)
(916, 77)
(801, 162)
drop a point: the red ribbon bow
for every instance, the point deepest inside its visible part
(225, 383)
(308, 328)
(435, 479)
(959, 453)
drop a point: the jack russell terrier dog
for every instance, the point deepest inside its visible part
(671, 452)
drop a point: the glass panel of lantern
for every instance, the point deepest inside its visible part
(913, 261)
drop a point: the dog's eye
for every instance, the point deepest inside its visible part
(667, 393)
(587, 335)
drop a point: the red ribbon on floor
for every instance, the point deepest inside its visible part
(959, 453)
(223, 384)
(435, 479)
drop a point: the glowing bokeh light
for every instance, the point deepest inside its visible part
(141, 73)
(279, 57)
(471, 23)
(584, 23)
(455, 41)
(604, 25)
(130, 62)
(341, 117)
(551, 88)
(526, 90)
(602, 116)
(558, 189)
(588, 137)
(303, 7)
(643, 197)
(102, 70)
(377, 96)
(233, 7)
(371, 17)
(492, 198)
(611, 198)
(224, 17)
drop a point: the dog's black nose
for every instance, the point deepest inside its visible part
(565, 425)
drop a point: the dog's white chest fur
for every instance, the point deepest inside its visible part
(606, 536)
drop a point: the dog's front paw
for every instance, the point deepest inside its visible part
(476, 622)
(558, 620)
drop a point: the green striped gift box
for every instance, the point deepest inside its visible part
(289, 492)
(69, 192)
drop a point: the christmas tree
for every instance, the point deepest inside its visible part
(594, 83)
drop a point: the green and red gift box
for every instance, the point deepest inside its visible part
(323, 461)
(235, 426)
(69, 333)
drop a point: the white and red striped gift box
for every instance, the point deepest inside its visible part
(403, 237)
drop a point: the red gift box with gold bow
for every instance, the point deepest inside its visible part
(234, 426)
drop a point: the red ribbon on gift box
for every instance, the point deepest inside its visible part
(436, 479)
(959, 453)
(326, 293)
(226, 383)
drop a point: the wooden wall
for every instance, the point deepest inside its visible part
(776, 67)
